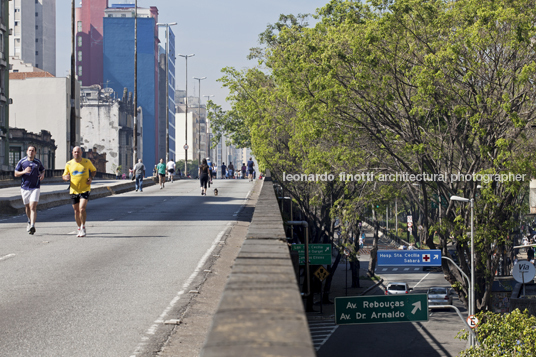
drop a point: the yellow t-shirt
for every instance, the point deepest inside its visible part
(79, 172)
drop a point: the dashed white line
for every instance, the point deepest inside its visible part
(420, 281)
(7, 257)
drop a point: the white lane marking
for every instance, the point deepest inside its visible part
(243, 205)
(7, 257)
(420, 281)
(161, 319)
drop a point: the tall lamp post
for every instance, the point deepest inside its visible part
(206, 121)
(135, 96)
(72, 121)
(472, 283)
(199, 118)
(186, 121)
(167, 84)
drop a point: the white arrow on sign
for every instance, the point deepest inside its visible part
(417, 307)
(436, 256)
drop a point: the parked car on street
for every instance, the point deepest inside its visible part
(439, 296)
(397, 288)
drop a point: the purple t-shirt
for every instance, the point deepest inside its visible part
(30, 181)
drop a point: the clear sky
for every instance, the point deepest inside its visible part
(219, 33)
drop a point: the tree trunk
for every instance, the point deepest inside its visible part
(327, 286)
(374, 251)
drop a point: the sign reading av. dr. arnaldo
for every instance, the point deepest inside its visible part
(431, 257)
(381, 309)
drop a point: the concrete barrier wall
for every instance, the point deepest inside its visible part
(261, 311)
(54, 199)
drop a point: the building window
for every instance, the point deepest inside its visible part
(37, 27)
(80, 70)
(110, 15)
(37, 65)
(36, 40)
(123, 15)
(79, 41)
(37, 53)
(79, 56)
(36, 14)
(14, 156)
(16, 23)
(79, 26)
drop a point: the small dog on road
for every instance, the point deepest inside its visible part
(215, 192)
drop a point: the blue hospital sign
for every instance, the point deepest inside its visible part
(409, 257)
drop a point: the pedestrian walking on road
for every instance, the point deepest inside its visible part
(161, 170)
(139, 174)
(243, 170)
(251, 166)
(361, 241)
(32, 172)
(231, 170)
(223, 170)
(171, 169)
(203, 174)
(80, 172)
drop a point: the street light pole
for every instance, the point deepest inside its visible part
(72, 121)
(186, 121)
(206, 121)
(167, 84)
(135, 95)
(472, 259)
(199, 119)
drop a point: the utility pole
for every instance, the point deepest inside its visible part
(135, 97)
(72, 122)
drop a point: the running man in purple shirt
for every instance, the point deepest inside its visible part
(32, 172)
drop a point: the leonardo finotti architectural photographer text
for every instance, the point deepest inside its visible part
(405, 177)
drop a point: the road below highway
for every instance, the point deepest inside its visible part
(109, 293)
(435, 337)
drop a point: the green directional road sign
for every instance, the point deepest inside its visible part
(381, 309)
(319, 254)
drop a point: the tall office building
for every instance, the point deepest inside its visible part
(89, 41)
(170, 98)
(118, 66)
(33, 38)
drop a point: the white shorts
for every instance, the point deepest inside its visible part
(30, 195)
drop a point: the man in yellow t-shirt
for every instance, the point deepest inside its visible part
(80, 172)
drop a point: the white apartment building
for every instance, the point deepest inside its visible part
(197, 128)
(33, 33)
(49, 108)
(106, 126)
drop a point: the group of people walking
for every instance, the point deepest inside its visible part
(80, 172)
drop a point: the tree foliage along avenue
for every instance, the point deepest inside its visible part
(512, 334)
(435, 89)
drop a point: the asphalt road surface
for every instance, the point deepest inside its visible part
(109, 293)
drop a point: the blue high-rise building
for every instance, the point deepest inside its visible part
(118, 66)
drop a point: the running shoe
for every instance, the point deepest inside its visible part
(32, 230)
(79, 232)
(28, 227)
(82, 231)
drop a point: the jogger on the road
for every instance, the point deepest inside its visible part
(80, 172)
(32, 172)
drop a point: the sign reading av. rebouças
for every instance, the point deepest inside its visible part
(381, 309)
